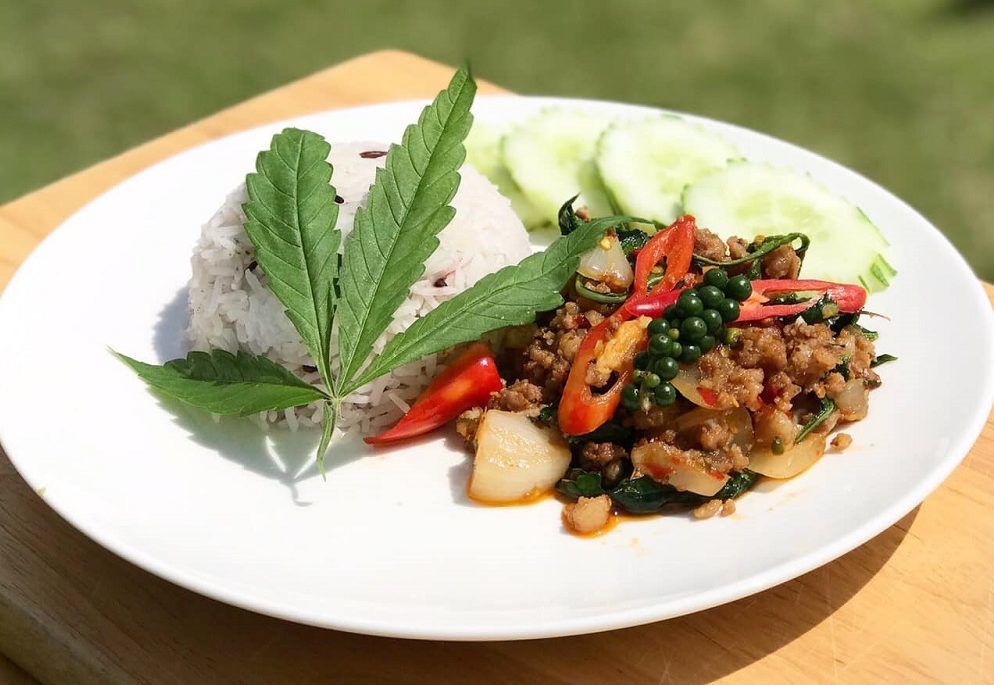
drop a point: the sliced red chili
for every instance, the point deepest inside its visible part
(849, 298)
(467, 382)
(676, 244)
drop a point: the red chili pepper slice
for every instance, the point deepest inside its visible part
(467, 382)
(652, 305)
(850, 298)
(708, 395)
(580, 411)
(676, 244)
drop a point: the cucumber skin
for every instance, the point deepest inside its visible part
(878, 273)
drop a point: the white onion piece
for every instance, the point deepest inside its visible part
(515, 458)
(607, 264)
(667, 464)
(737, 420)
(794, 460)
(853, 402)
(687, 382)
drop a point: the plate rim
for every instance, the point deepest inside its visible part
(770, 577)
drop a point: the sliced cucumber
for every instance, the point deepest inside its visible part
(647, 164)
(550, 157)
(748, 199)
(483, 152)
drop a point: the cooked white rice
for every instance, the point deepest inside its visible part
(231, 307)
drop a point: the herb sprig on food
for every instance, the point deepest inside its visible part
(291, 216)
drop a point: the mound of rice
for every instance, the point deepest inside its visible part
(232, 308)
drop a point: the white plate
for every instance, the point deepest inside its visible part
(390, 545)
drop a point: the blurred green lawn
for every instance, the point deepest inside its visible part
(900, 90)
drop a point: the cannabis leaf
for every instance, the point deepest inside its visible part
(226, 383)
(395, 232)
(509, 297)
(291, 215)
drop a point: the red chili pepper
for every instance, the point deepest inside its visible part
(580, 411)
(651, 305)
(708, 395)
(467, 382)
(849, 298)
(676, 244)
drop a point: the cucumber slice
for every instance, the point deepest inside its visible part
(483, 153)
(748, 199)
(550, 157)
(647, 164)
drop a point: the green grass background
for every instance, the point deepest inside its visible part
(900, 90)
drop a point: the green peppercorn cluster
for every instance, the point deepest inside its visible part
(688, 328)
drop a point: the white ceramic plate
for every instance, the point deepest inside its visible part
(389, 544)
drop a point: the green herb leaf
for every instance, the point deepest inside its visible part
(328, 419)
(757, 251)
(644, 495)
(291, 215)
(509, 297)
(226, 383)
(395, 232)
(578, 483)
(825, 409)
(882, 359)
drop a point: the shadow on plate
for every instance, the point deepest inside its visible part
(692, 650)
(277, 453)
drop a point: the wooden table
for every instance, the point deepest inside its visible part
(915, 604)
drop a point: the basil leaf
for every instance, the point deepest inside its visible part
(578, 483)
(291, 215)
(825, 408)
(644, 495)
(509, 297)
(226, 383)
(882, 359)
(395, 232)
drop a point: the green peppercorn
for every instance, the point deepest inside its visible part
(660, 345)
(717, 277)
(677, 350)
(693, 328)
(710, 295)
(666, 368)
(671, 312)
(689, 303)
(728, 309)
(637, 375)
(732, 336)
(712, 318)
(664, 394)
(777, 445)
(651, 380)
(642, 361)
(691, 353)
(630, 397)
(657, 326)
(739, 288)
(707, 342)
(673, 333)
